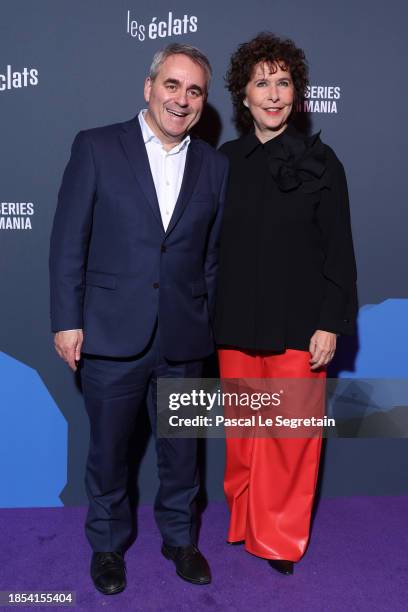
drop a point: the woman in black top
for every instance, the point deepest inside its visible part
(287, 287)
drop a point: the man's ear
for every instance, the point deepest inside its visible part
(147, 89)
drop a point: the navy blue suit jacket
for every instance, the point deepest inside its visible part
(113, 267)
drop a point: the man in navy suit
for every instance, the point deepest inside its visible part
(133, 265)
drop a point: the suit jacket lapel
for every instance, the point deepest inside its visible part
(190, 177)
(132, 142)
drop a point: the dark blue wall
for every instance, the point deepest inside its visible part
(79, 67)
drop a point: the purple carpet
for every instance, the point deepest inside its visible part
(357, 560)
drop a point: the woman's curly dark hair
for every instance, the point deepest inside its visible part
(265, 47)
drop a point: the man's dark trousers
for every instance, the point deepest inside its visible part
(115, 390)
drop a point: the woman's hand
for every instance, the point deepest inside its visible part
(322, 348)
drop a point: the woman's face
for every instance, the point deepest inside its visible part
(269, 97)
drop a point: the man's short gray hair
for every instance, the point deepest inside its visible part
(177, 49)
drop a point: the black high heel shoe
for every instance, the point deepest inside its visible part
(282, 566)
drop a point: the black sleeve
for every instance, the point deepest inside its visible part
(339, 309)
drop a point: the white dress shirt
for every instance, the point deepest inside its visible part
(167, 168)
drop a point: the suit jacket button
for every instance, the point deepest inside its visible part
(156, 285)
(163, 248)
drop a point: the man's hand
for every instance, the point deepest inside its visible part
(68, 345)
(322, 348)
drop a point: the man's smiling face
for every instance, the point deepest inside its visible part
(175, 98)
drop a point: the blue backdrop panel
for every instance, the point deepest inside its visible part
(383, 337)
(33, 451)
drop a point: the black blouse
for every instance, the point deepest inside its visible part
(287, 264)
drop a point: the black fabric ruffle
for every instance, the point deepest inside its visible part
(298, 162)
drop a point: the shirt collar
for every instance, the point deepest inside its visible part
(251, 142)
(150, 136)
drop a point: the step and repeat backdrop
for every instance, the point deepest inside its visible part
(72, 65)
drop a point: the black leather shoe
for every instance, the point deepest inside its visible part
(108, 572)
(190, 563)
(282, 566)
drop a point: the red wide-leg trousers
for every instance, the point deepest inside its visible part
(270, 482)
